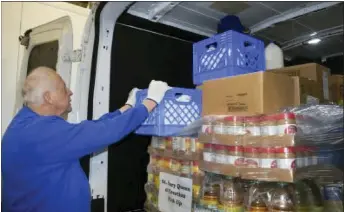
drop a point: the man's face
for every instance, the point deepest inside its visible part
(61, 97)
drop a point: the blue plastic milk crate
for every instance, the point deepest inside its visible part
(227, 54)
(179, 108)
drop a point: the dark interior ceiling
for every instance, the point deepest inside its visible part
(291, 34)
(203, 17)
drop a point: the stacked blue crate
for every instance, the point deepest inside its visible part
(227, 54)
(223, 55)
(179, 108)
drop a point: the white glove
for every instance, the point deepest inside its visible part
(157, 90)
(132, 97)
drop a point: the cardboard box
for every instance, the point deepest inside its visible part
(310, 71)
(256, 93)
(307, 91)
(336, 88)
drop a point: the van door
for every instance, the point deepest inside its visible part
(48, 45)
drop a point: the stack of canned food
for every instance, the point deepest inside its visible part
(225, 194)
(260, 157)
(179, 156)
(179, 146)
(260, 125)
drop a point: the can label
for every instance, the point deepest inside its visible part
(193, 144)
(221, 158)
(300, 162)
(209, 156)
(268, 163)
(314, 160)
(182, 144)
(156, 181)
(252, 162)
(187, 143)
(207, 129)
(236, 160)
(149, 196)
(150, 178)
(220, 129)
(175, 165)
(185, 169)
(196, 191)
(286, 163)
(162, 144)
(195, 169)
(155, 142)
(287, 129)
(253, 130)
(175, 143)
(168, 143)
(268, 130)
(235, 130)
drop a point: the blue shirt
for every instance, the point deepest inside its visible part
(40, 158)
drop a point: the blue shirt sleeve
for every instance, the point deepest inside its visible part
(61, 141)
(109, 115)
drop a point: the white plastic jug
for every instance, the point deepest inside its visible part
(273, 57)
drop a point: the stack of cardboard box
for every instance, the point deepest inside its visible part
(336, 88)
(312, 80)
(269, 91)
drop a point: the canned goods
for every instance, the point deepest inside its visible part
(185, 168)
(175, 165)
(155, 142)
(168, 143)
(176, 144)
(207, 127)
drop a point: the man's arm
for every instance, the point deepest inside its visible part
(62, 141)
(129, 104)
(54, 140)
(114, 114)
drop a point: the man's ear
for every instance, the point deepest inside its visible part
(47, 97)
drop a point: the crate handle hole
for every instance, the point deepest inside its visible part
(182, 97)
(247, 44)
(211, 46)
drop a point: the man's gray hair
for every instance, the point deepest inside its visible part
(36, 84)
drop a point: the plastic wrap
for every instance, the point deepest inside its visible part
(316, 125)
(300, 161)
(319, 124)
(284, 146)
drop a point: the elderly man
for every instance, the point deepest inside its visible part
(40, 150)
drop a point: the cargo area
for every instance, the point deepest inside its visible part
(196, 159)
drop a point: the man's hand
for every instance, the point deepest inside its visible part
(156, 92)
(132, 97)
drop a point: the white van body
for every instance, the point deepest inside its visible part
(74, 57)
(68, 22)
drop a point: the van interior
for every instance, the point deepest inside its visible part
(160, 47)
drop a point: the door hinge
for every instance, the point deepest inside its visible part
(74, 56)
(24, 40)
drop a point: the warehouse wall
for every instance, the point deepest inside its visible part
(17, 17)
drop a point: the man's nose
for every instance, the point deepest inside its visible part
(70, 93)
